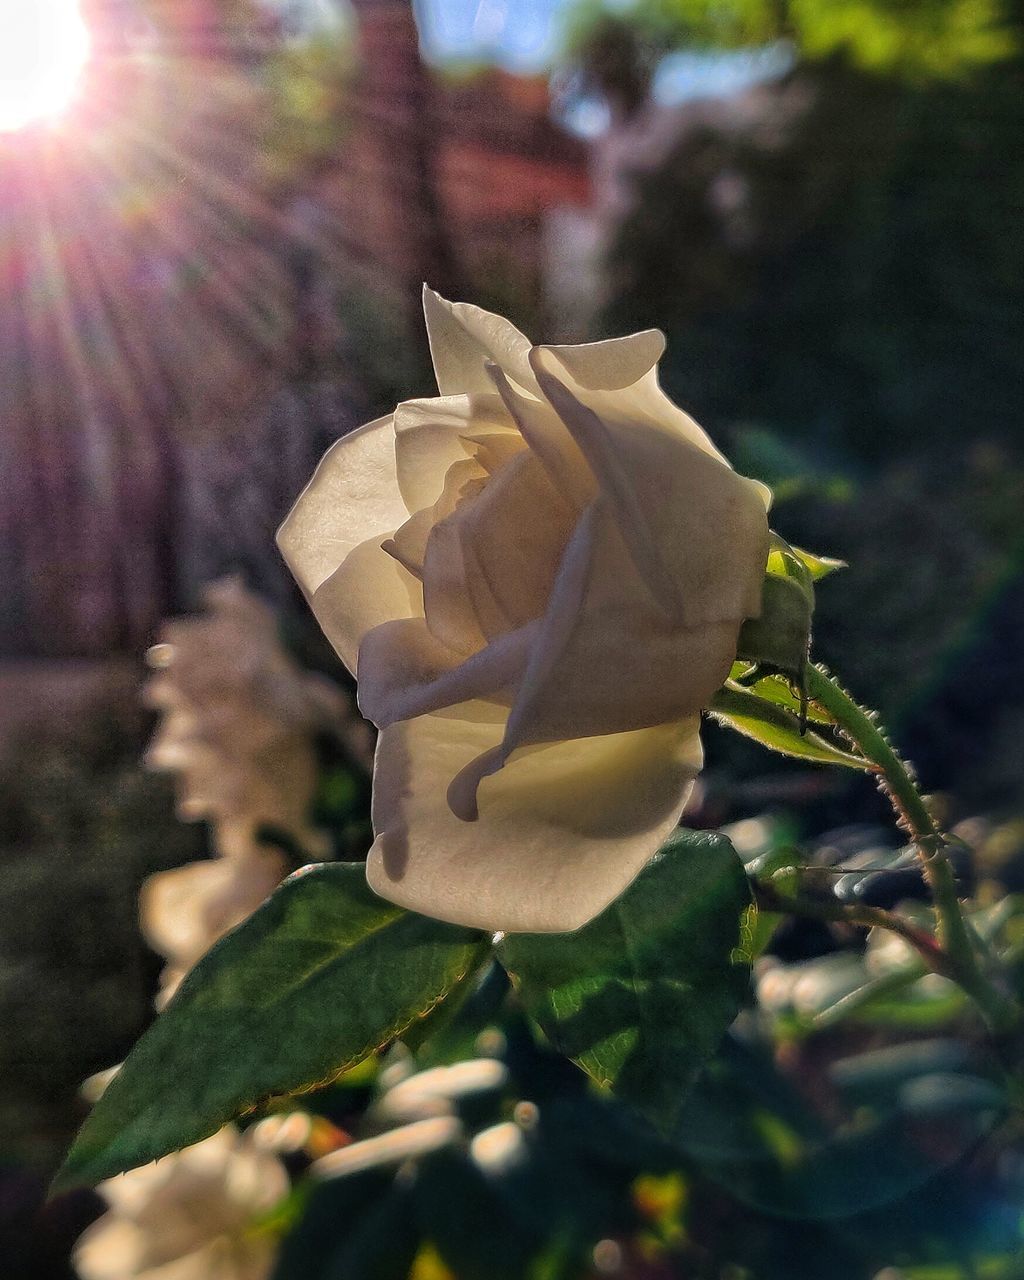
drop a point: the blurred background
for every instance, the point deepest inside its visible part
(215, 218)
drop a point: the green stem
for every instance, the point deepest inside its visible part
(953, 932)
(768, 898)
(860, 728)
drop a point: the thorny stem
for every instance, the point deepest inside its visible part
(954, 939)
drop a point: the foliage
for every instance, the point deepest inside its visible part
(834, 277)
(918, 38)
(776, 1101)
(249, 1024)
(530, 1174)
(642, 996)
(771, 1056)
(891, 201)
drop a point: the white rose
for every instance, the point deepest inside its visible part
(190, 1216)
(539, 578)
(237, 718)
(183, 912)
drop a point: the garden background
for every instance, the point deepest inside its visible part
(210, 269)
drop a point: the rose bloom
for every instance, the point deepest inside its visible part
(538, 578)
(192, 1216)
(237, 716)
(183, 912)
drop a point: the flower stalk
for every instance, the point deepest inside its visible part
(961, 961)
(768, 898)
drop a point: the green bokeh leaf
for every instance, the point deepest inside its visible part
(775, 727)
(320, 976)
(750, 1128)
(641, 997)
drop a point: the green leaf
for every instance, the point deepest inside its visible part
(817, 566)
(319, 977)
(776, 728)
(781, 636)
(788, 564)
(780, 690)
(641, 997)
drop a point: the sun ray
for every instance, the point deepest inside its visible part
(239, 277)
(195, 333)
(220, 202)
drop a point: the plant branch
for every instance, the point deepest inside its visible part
(924, 943)
(859, 726)
(953, 932)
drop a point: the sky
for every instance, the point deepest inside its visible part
(524, 35)
(521, 35)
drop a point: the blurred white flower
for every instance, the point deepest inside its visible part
(237, 723)
(183, 912)
(237, 716)
(541, 576)
(410, 1142)
(418, 1113)
(498, 1149)
(192, 1216)
(435, 1091)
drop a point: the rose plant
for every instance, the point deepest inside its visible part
(541, 579)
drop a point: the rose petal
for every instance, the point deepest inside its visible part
(568, 597)
(450, 611)
(464, 602)
(463, 479)
(493, 450)
(430, 436)
(642, 400)
(608, 659)
(407, 672)
(463, 338)
(562, 829)
(615, 363)
(331, 539)
(369, 588)
(352, 496)
(697, 532)
(488, 566)
(548, 437)
(513, 534)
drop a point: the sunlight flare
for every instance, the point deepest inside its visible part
(44, 46)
